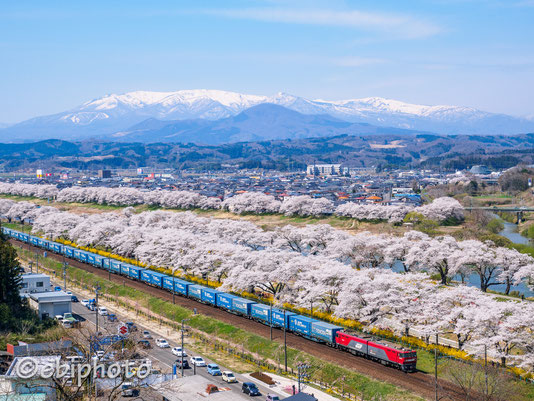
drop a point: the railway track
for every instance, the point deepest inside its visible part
(419, 383)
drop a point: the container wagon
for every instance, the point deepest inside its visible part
(242, 306)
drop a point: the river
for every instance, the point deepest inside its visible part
(510, 232)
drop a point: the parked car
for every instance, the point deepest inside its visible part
(147, 335)
(162, 343)
(272, 397)
(229, 377)
(129, 391)
(68, 316)
(68, 292)
(74, 298)
(250, 389)
(144, 343)
(102, 311)
(197, 361)
(131, 326)
(57, 288)
(84, 302)
(178, 363)
(112, 317)
(213, 369)
(179, 352)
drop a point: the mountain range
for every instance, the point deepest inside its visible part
(213, 116)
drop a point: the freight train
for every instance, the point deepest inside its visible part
(319, 331)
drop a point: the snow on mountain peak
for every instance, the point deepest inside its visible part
(118, 112)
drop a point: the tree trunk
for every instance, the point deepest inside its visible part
(508, 285)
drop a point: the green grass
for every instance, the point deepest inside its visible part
(323, 371)
(498, 196)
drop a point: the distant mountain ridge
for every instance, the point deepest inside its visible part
(112, 114)
(265, 121)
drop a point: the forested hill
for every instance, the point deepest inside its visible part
(431, 151)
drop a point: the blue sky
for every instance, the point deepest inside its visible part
(479, 53)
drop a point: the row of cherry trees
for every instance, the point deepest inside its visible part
(347, 275)
(249, 202)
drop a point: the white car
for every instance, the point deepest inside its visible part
(102, 311)
(147, 335)
(84, 302)
(179, 352)
(197, 361)
(162, 343)
(229, 377)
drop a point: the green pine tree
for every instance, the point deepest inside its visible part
(10, 276)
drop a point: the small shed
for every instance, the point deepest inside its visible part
(50, 304)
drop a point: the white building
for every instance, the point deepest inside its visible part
(323, 169)
(34, 283)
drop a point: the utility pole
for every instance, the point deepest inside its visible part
(97, 288)
(182, 367)
(285, 341)
(302, 374)
(64, 274)
(436, 397)
(486, 368)
(271, 318)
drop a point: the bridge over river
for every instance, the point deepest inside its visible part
(518, 210)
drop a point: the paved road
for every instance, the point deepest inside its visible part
(163, 356)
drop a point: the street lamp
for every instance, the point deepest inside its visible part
(182, 365)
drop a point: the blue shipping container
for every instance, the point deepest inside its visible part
(56, 248)
(325, 331)
(135, 272)
(91, 258)
(115, 266)
(168, 283)
(301, 324)
(242, 305)
(195, 291)
(34, 241)
(106, 263)
(181, 286)
(224, 300)
(261, 312)
(125, 269)
(69, 251)
(99, 261)
(152, 277)
(83, 256)
(209, 295)
(278, 318)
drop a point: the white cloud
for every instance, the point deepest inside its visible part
(399, 26)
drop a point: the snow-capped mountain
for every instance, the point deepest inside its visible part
(116, 113)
